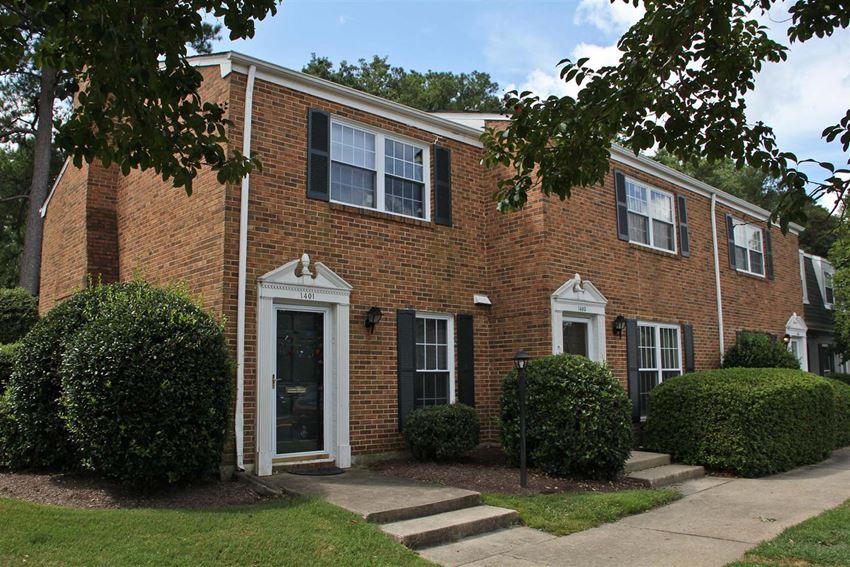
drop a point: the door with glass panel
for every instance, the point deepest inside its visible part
(659, 357)
(576, 336)
(299, 381)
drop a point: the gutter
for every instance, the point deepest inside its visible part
(243, 271)
(717, 275)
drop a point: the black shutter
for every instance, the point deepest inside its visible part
(730, 234)
(318, 154)
(633, 363)
(622, 206)
(688, 339)
(684, 241)
(442, 185)
(406, 338)
(768, 254)
(465, 360)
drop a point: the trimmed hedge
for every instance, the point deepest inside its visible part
(18, 314)
(11, 451)
(441, 433)
(578, 417)
(7, 357)
(841, 393)
(753, 422)
(845, 378)
(758, 350)
(35, 385)
(146, 388)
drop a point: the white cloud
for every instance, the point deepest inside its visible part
(609, 17)
(600, 55)
(547, 83)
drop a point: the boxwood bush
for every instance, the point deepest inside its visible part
(35, 385)
(752, 422)
(841, 395)
(578, 417)
(18, 314)
(7, 354)
(758, 350)
(146, 388)
(845, 378)
(441, 433)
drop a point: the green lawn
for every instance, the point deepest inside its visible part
(301, 531)
(562, 514)
(822, 540)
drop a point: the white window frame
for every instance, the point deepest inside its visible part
(650, 230)
(749, 228)
(380, 175)
(450, 354)
(657, 332)
(828, 273)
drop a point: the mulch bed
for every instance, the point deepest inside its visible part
(88, 491)
(485, 470)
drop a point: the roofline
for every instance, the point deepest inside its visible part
(658, 169)
(239, 62)
(43, 210)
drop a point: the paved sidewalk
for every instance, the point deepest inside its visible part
(717, 522)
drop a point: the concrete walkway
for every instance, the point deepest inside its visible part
(717, 522)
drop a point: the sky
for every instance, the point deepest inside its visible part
(520, 42)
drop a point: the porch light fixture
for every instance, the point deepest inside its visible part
(521, 359)
(619, 326)
(373, 317)
(786, 339)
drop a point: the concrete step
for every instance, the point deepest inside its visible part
(667, 474)
(450, 526)
(642, 460)
(484, 546)
(412, 511)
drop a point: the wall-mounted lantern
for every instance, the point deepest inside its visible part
(786, 339)
(373, 317)
(619, 326)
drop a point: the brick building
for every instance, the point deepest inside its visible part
(365, 271)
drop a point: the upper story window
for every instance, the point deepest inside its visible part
(651, 216)
(749, 249)
(828, 296)
(434, 354)
(396, 184)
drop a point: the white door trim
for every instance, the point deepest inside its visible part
(290, 286)
(579, 300)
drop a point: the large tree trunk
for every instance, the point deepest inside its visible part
(31, 258)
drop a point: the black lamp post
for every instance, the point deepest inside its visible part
(521, 361)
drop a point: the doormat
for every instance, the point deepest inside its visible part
(323, 471)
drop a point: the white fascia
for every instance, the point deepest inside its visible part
(649, 165)
(302, 82)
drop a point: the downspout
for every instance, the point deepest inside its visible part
(717, 275)
(243, 270)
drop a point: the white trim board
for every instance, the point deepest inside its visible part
(232, 61)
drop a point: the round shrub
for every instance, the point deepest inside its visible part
(7, 357)
(751, 421)
(845, 378)
(841, 398)
(146, 389)
(441, 433)
(18, 314)
(578, 417)
(11, 450)
(758, 350)
(35, 385)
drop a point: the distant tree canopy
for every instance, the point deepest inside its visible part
(430, 91)
(755, 186)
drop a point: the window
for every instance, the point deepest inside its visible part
(396, 184)
(434, 364)
(651, 217)
(749, 249)
(659, 358)
(828, 296)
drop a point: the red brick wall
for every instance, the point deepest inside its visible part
(391, 262)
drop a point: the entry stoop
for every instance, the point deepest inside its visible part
(655, 469)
